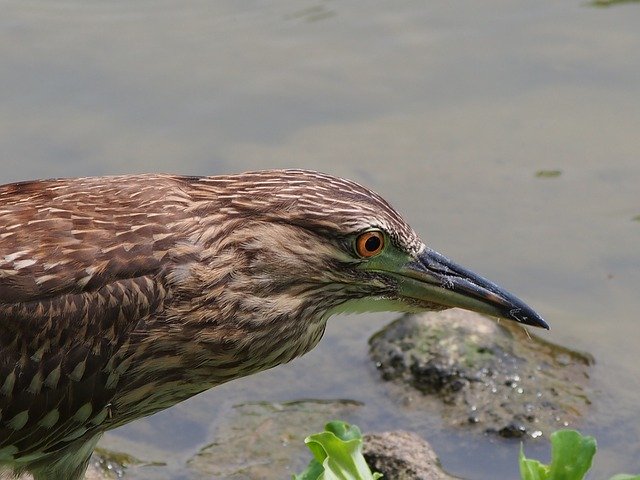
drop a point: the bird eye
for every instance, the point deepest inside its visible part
(369, 244)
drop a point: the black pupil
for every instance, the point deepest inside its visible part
(372, 244)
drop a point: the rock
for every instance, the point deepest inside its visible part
(484, 375)
(402, 456)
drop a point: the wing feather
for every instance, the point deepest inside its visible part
(82, 263)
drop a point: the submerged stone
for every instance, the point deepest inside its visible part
(265, 441)
(492, 376)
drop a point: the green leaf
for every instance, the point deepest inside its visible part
(339, 452)
(571, 457)
(625, 476)
(313, 471)
(532, 469)
(343, 430)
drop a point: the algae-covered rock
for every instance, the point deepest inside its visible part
(486, 375)
(265, 441)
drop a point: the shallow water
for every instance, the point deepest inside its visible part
(447, 109)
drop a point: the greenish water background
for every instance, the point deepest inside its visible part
(448, 109)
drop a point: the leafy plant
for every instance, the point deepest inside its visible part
(337, 455)
(571, 457)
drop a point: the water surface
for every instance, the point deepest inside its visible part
(448, 109)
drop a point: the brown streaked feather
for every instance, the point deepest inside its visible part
(73, 236)
(81, 267)
(84, 262)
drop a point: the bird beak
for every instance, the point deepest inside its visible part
(435, 279)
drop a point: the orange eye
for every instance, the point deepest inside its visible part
(370, 244)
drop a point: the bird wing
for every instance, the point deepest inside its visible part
(81, 264)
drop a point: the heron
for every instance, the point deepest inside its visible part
(121, 296)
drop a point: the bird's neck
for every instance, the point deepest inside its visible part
(231, 341)
(242, 320)
(256, 338)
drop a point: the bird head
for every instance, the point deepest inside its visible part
(310, 238)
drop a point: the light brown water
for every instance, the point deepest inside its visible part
(448, 109)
